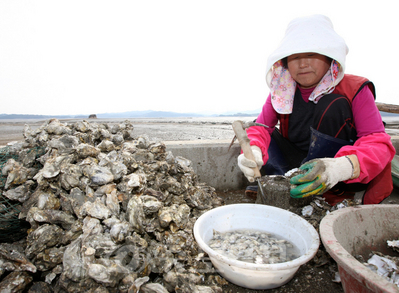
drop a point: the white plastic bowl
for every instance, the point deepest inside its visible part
(262, 218)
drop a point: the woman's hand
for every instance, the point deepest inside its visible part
(247, 165)
(322, 174)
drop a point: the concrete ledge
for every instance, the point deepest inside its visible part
(215, 165)
(212, 161)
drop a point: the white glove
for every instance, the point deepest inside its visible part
(321, 175)
(246, 165)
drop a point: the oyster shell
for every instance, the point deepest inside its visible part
(394, 244)
(43, 237)
(14, 259)
(37, 215)
(21, 193)
(15, 282)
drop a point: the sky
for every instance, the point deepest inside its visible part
(206, 56)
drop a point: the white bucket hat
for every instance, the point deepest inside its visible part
(308, 34)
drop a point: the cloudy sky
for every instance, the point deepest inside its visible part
(84, 57)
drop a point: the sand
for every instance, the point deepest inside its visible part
(161, 129)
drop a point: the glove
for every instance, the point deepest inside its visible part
(321, 175)
(246, 165)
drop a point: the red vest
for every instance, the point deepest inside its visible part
(349, 87)
(381, 186)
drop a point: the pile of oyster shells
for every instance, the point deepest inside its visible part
(108, 212)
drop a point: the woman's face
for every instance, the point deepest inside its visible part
(307, 69)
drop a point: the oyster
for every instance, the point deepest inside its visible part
(37, 215)
(394, 244)
(13, 259)
(253, 246)
(21, 193)
(43, 237)
(15, 282)
(384, 266)
(109, 275)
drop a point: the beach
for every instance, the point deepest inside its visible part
(160, 129)
(157, 129)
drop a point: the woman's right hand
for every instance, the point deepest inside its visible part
(247, 165)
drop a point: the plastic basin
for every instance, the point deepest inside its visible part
(359, 230)
(262, 218)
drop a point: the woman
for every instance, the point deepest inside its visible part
(329, 123)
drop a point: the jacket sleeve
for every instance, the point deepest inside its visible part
(373, 148)
(374, 152)
(260, 136)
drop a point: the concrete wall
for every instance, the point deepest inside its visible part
(212, 161)
(215, 165)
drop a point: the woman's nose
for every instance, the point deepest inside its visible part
(303, 63)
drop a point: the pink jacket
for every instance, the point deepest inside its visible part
(373, 147)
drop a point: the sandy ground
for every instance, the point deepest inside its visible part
(156, 129)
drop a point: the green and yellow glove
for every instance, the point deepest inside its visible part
(321, 175)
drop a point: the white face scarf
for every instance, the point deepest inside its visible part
(306, 34)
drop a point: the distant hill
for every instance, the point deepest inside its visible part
(147, 114)
(129, 114)
(165, 114)
(38, 117)
(132, 114)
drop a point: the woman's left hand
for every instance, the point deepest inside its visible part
(321, 175)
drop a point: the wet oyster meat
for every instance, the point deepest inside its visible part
(107, 212)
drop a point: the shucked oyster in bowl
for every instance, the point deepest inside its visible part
(271, 220)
